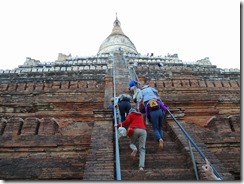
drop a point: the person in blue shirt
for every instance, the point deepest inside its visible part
(148, 93)
(155, 115)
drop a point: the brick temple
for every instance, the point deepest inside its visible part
(55, 124)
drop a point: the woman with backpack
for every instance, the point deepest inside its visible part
(148, 93)
(155, 111)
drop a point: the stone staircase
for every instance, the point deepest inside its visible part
(122, 76)
(171, 163)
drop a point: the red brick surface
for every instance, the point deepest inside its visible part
(59, 128)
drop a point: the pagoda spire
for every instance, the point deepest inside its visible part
(116, 22)
(117, 29)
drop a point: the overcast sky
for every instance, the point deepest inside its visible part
(194, 29)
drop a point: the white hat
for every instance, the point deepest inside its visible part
(121, 132)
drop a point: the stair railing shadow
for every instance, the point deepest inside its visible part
(191, 142)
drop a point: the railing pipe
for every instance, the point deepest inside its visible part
(193, 143)
(133, 75)
(117, 156)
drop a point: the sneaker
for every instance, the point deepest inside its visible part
(147, 121)
(133, 154)
(161, 143)
(141, 169)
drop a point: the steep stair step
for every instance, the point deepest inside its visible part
(158, 174)
(155, 161)
(152, 146)
(168, 163)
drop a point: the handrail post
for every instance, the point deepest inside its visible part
(193, 161)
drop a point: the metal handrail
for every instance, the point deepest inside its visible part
(137, 79)
(193, 143)
(117, 155)
(133, 75)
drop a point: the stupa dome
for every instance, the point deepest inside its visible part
(117, 40)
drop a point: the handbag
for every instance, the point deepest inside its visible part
(130, 132)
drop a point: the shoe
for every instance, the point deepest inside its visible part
(161, 143)
(133, 154)
(141, 169)
(147, 121)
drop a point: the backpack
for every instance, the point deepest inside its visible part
(125, 97)
(153, 104)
